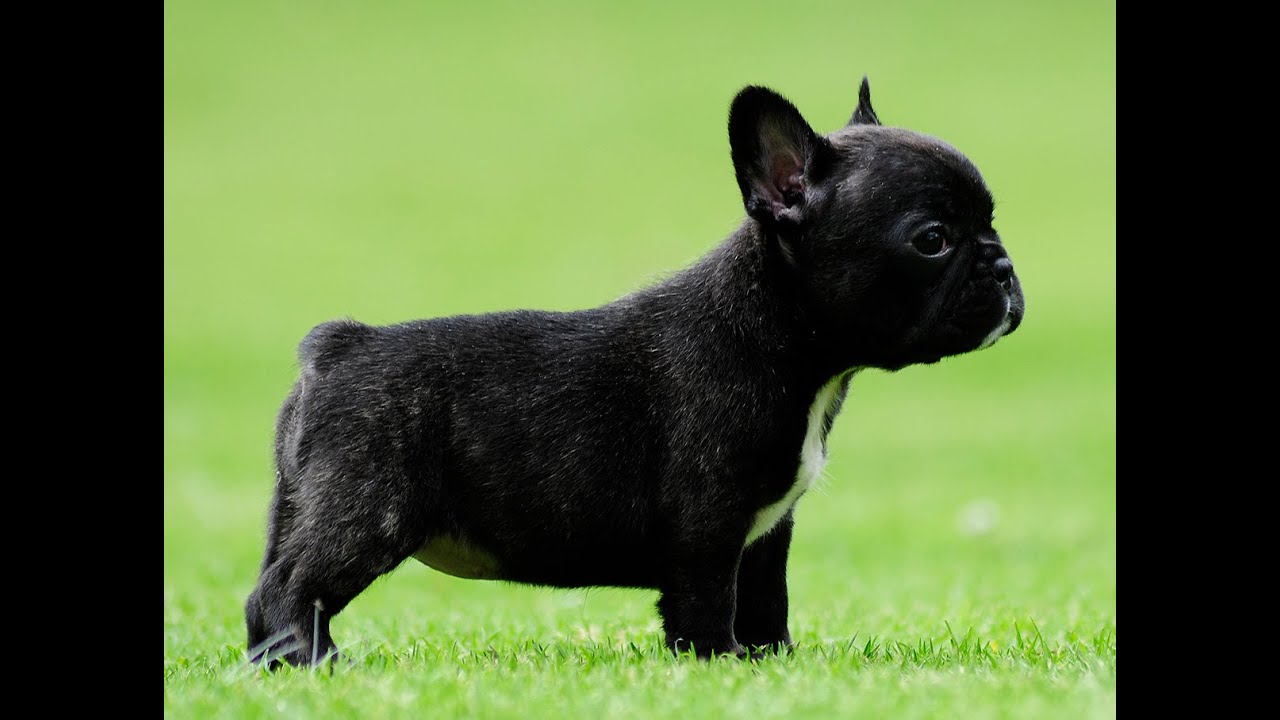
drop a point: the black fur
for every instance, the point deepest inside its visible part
(633, 444)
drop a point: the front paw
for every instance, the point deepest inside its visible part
(761, 644)
(761, 650)
(705, 649)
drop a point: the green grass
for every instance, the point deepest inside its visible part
(476, 675)
(390, 161)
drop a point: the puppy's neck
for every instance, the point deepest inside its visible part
(748, 294)
(750, 269)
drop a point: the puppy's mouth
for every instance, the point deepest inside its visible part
(985, 315)
(1004, 328)
(1012, 318)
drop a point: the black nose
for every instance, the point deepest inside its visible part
(1003, 270)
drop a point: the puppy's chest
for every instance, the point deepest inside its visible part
(813, 455)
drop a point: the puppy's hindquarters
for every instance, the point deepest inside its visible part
(281, 511)
(346, 509)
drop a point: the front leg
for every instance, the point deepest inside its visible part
(761, 621)
(699, 595)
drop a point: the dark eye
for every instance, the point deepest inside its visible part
(931, 242)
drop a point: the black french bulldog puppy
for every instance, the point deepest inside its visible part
(659, 441)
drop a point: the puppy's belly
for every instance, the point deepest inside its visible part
(459, 558)
(544, 561)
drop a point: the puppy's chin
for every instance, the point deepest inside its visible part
(1014, 308)
(979, 327)
(1000, 330)
(974, 335)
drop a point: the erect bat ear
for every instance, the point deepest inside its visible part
(864, 115)
(777, 157)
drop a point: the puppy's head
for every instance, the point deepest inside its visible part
(887, 232)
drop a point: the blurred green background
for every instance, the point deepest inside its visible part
(398, 160)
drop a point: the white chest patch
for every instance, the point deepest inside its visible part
(813, 457)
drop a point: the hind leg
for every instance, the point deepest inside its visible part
(272, 637)
(320, 568)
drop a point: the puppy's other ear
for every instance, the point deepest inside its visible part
(864, 115)
(776, 156)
